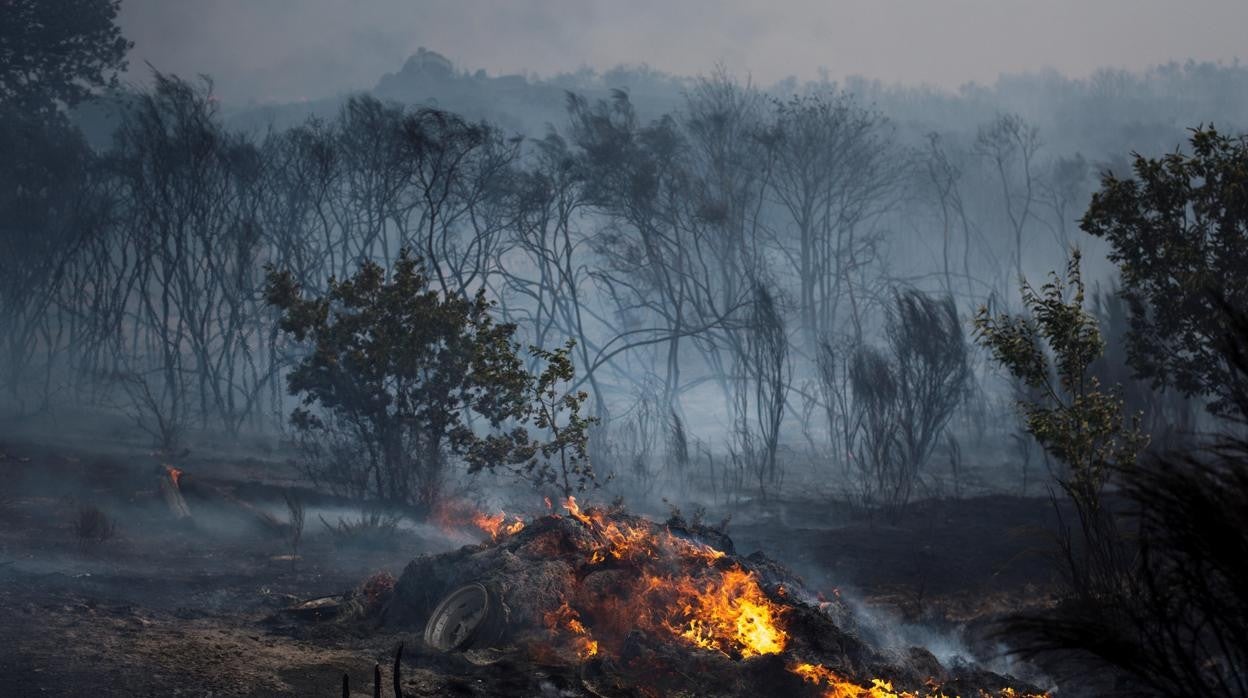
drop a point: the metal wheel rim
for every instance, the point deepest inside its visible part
(458, 618)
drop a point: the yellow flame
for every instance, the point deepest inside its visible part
(568, 618)
(725, 614)
(837, 686)
(721, 610)
(496, 525)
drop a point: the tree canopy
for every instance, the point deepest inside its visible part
(399, 370)
(58, 51)
(1050, 350)
(1179, 235)
(400, 375)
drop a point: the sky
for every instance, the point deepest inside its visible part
(287, 50)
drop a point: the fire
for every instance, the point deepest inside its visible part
(620, 585)
(497, 525)
(455, 516)
(723, 610)
(567, 618)
(174, 474)
(692, 592)
(727, 614)
(625, 542)
(837, 686)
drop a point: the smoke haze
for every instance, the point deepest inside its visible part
(271, 50)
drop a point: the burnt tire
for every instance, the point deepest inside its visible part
(464, 617)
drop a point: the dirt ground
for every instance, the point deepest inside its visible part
(162, 609)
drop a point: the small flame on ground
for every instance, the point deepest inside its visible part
(837, 686)
(174, 474)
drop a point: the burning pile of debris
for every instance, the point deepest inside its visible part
(639, 607)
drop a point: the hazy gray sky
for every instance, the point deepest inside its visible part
(291, 49)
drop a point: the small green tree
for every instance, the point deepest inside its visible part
(562, 460)
(1162, 601)
(1079, 422)
(1164, 607)
(396, 373)
(1050, 350)
(400, 377)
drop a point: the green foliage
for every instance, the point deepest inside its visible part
(398, 376)
(555, 409)
(400, 370)
(1165, 605)
(1050, 350)
(1179, 233)
(58, 51)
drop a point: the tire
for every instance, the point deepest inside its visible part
(461, 618)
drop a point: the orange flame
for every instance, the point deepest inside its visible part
(174, 474)
(695, 593)
(497, 525)
(454, 516)
(566, 617)
(836, 686)
(726, 614)
(625, 542)
(722, 610)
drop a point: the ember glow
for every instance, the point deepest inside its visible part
(497, 525)
(621, 541)
(687, 589)
(567, 619)
(729, 614)
(457, 516)
(174, 474)
(836, 686)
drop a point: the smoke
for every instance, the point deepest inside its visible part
(267, 50)
(885, 628)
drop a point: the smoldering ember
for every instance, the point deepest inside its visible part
(841, 350)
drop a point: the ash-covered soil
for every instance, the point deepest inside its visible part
(167, 609)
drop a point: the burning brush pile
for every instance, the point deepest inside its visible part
(641, 608)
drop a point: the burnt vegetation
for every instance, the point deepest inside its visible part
(320, 382)
(92, 526)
